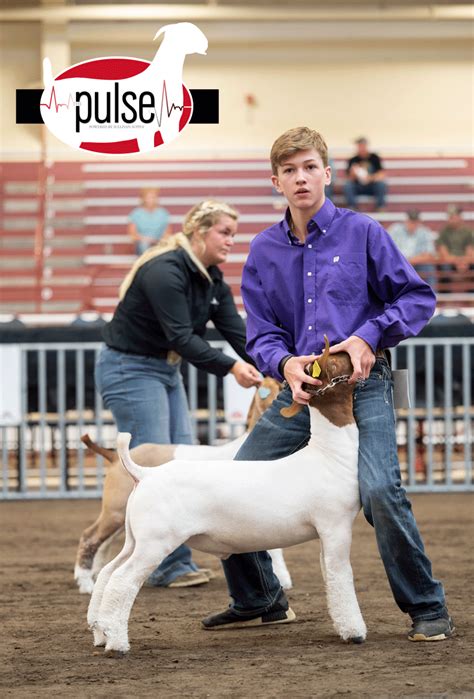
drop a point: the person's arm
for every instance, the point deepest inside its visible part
(136, 236)
(168, 232)
(351, 169)
(229, 323)
(422, 258)
(442, 248)
(378, 173)
(267, 342)
(166, 291)
(409, 301)
(133, 232)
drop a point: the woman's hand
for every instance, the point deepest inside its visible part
(293, 371)
(246, 375)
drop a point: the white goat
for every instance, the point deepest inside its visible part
(221, 509)
(96, 539)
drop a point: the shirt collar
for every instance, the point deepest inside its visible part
(322, 219)
(214, 271)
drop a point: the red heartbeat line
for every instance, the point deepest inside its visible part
(159, 119)
(164, 94)
(56, 103)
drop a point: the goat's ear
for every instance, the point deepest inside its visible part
(161, 31)
(292, 410)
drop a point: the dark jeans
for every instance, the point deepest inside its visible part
(378, 190)
(253, 585)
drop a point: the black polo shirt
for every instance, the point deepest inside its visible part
(167, 307)
(372, 163)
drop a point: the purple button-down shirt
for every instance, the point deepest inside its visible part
(348, 278)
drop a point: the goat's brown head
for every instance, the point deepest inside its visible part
(263, 398)
(332, 366)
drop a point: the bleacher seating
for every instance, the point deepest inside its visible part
(63, 233)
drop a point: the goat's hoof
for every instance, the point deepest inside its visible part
(117, 654)
(99, 637)
(356, 639)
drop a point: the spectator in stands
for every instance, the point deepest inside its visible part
(456, 240)
(416, 242)
(455, 247)
(166, 300)
(327, 270)
(365, 175)
(149, 222)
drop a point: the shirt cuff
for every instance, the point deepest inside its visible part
(370, 334)
(282, 364)
(275, 364)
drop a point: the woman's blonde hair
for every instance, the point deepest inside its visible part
(198, 220)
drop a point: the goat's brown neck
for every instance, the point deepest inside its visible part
(336, 407)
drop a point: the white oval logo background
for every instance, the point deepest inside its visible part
(119, 105)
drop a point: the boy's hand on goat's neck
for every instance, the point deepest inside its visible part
(295, 375)
(361, 354)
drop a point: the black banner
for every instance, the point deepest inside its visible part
(205, 111)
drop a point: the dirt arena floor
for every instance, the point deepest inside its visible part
(46, 649)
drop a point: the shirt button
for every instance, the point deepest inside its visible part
(310, 327)
(310, 274)
(310, 300)
(310, 246)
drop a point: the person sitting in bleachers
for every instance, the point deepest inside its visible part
(456, 238)
(455, 246)
(416, 242)
(365, 175)
(149, 222)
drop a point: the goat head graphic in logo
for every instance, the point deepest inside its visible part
(120, 105)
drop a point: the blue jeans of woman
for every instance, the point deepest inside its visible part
(147, 398)
(252, 584)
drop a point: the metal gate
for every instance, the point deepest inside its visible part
(52, 386)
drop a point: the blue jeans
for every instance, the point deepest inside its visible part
(374, 189)
(147, 398)
(252, 584)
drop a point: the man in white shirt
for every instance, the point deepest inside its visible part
(416, 242)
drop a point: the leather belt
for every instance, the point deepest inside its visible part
(171, 356)
(385, 353)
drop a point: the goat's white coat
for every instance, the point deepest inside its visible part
(86, 575)
(220, 509)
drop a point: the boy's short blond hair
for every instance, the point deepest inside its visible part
(294, 140)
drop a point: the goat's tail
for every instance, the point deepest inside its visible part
(108, 454)
(137, 472)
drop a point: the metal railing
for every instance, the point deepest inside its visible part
(42, 456)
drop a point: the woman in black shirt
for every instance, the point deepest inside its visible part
(167, 298)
